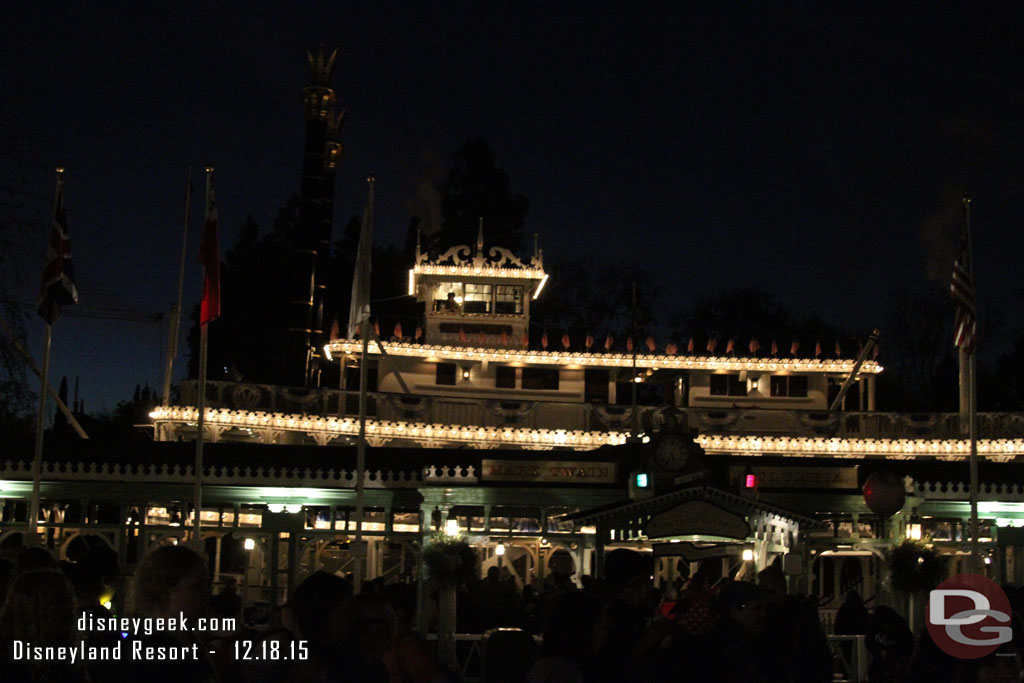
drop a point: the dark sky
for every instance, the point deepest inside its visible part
(817, 150)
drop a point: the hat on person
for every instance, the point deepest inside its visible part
(739, 593)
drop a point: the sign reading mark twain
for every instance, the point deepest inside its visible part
(548, 471)
(697, 518)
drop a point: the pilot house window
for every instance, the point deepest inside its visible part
(728, 385)
(540, 378)
(508, 299)
(787, 385)
(478, 298)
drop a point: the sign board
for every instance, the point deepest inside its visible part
(548, 471)
(693, 553)
(800, 477)
(697, 518)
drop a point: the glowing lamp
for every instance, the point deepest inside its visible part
(249, 544)
(642, 480)
(451, 527)
(748, 555)
(500, 550)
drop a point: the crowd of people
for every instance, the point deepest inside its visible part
(619, 628)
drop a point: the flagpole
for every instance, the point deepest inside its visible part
(972, 405)
(172, 343)
(37, 456)
(361, 445)
(201, 403)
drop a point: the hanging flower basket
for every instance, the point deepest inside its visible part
(914, 568)
(450, 562)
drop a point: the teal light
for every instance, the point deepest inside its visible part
(642, 481)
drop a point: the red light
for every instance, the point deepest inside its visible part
(750, 481)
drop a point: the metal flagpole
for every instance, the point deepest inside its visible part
(972, 403)
(201, 403)
(37, 456)
(364, 327)
(172, 344)
(37, 460)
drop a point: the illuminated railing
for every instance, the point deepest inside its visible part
(997, 450)
(602, 360)
(383, 432)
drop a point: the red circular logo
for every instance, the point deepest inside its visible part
(968, 616)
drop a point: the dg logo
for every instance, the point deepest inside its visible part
(968, 616)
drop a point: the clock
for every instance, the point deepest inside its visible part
(671, 453)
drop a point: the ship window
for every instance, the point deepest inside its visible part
(442, 304)
(728, 385)
(595, 386)
(505, 377)
(478, 298)
(540, 378)
(508, 299)
(446, 374)
(786, 385)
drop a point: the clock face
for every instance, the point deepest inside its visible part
(671, 454)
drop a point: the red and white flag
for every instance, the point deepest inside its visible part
(58, 285)
(794, 348)
(817, 348)
(209, 256)
(398, 330)
(565, 341)
(544, 340)
(712, 343)
(589, 342)
(755, 345)
(651, 345)
(961, 287)
(608, 341)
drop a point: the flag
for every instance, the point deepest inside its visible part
(712, 343)
(334, 330)
(462, 335)
(544, 340)
(775, 348)
(651, 346)
(209, 256)
(817, 348)
(629, 343)
(419, 333)
(504, 339)
(754, 345)
(525, 340)
(481, 338)
(730, 345)
(376, 329)
(961, 287)
(608, 341)
(589, 342)
(671, 349)
(689, 346)
(58, 285)
(794, 348)
(565, 341)
(360, 304)
(839, 349)
(398, 330)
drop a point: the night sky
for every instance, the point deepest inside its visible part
(816, 150)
